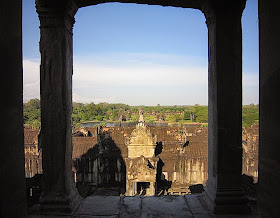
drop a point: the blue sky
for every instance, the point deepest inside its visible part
(140, 54)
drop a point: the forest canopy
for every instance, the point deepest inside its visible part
(106, 112)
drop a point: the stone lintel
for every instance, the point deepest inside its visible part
(146, 150)
(183, 4)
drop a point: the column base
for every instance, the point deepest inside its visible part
(231, 201)
(226, 201)
(55, 204)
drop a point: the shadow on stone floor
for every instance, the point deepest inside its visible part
(143, 207)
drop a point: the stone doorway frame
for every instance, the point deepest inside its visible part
(13, 196)
(223, 19)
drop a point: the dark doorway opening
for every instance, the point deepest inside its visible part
(142, 187)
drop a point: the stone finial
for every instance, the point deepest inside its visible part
(141, 116)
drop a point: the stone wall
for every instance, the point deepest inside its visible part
(250, 144)
(99, 155)
(33, 155)
(183, 165)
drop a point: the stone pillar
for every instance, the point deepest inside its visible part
(13, 190)
(269, 149)
(223, 188)
(56, 46)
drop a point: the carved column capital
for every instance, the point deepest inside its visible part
(209, 13)
(213, 9)
(55, 16)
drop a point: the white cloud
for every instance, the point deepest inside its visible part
(84, 99)
(132, 77)
(31, 79)
(250, 88)
(250, 80)
(144, 78)
(138, 70)
(31, 71)
(86, 76)
(31, 90)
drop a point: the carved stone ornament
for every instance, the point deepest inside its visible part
(55, 17)
(142, 136)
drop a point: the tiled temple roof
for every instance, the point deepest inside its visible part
(253, 130)
(30, 136)
(82, 145)
(173, 139)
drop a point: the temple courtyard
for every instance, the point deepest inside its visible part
(191, 205)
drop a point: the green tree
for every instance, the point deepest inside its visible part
(171, 118)
(201, 114)
(250, 115)
(32, 113)
(107, 117)
(32, 104)
(99, 117)
(114, 115)
(187, 115)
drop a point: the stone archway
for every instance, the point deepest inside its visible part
(13, 200)
(223, 18)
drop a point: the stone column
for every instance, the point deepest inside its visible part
(56, 47)
(223, 188)
(269, 149)
(13, 189)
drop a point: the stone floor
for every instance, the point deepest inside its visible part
(124, 206)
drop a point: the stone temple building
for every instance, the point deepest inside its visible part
(143, 160)
(33, 154)
(223, 191)
(250, 145)
(141, 163)
(132, 158)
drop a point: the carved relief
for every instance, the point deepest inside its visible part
(141, 163)
(142, 136)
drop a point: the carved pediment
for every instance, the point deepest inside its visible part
(142, 136)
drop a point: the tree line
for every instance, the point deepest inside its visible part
(107, 112)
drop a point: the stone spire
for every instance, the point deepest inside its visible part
(141, 116)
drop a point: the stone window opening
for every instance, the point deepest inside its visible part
(224, 104)
(224, 178)
(176, 168)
